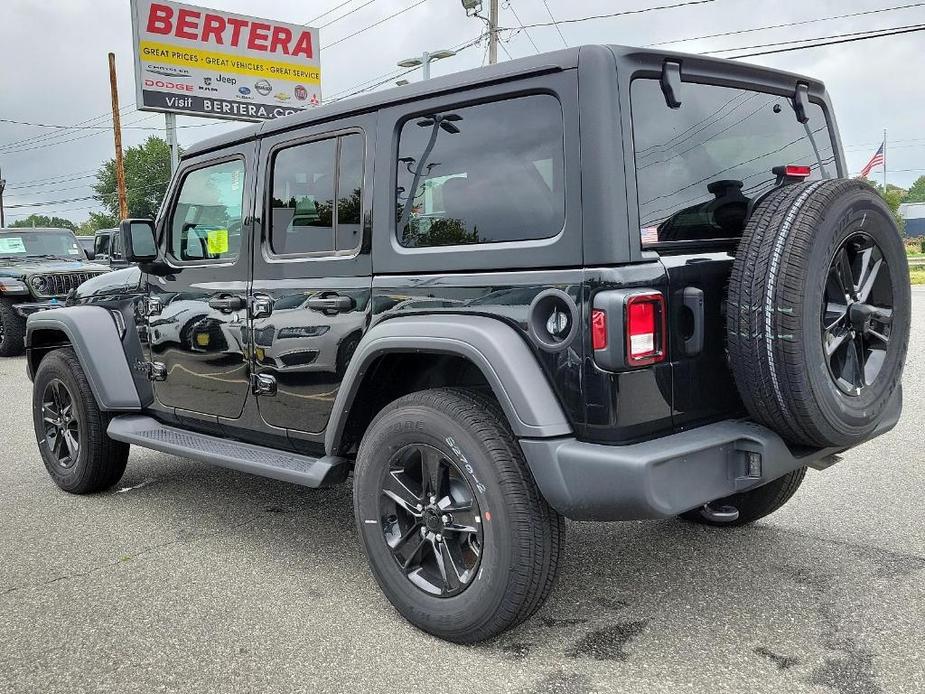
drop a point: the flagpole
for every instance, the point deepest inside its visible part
(884, 161)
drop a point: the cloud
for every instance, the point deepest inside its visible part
(53, 58)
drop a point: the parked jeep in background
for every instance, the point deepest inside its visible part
(499, 305)
(107, 248)
(38, 267)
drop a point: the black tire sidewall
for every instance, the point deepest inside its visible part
(50, 369)
(391, 431)
(14, 330)
(845, 418)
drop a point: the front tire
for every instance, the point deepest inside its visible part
(71, 430)
(457, 534)
(12, 331)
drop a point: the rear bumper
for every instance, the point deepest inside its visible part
(669, 475)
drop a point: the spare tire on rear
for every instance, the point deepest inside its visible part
(818, 312)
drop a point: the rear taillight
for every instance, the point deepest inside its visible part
(797, 171)
(599, 329)
(645, 329)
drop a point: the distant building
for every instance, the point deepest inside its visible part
(914, 214)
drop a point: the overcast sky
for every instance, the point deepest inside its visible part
(53, 69)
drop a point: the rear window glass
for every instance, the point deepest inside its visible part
(482, 174)
(699, 166)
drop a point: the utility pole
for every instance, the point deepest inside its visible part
(493, 32)
(117, 135)
(170, 122)
(2, 186)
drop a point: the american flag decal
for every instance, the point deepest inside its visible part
(875, 161)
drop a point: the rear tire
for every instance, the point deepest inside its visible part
(755, 503)
(511, 558)
(12, 331)
(67, 419)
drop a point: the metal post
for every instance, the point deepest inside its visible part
(425, 65)
(2, 186)
(493, 32)
(170, 123)
(884, 161)
(117, 136)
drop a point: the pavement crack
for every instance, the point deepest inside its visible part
(182, 537)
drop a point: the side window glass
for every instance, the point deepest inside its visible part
(101, 244)
(207, 221)
(116, 247)
(488, 173)
(349, 193)
(307, 181)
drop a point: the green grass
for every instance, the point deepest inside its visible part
(917, 274)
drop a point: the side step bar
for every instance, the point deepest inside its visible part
(267, 462)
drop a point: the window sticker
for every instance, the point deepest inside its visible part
(12, 244)
(217, 241)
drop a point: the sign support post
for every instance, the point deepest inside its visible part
(170, 121)
(117, 136)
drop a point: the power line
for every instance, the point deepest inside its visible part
(828, 43)
(610, 15)
(310, 22)
(96, 196)
(787, 24)
(44, 145)
(813, 38)
(53, 180)
(558, 30)
(389, 77)
(47, 136)
(94, 127)
(347, 14)
(386, 19)
(510, 6)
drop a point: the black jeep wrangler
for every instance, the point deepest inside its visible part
(38, 267)
(604, 283)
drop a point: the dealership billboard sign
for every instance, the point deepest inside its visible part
(202, 62)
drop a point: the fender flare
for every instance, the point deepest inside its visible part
(499, 352)
(93, 334)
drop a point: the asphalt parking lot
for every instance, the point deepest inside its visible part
(191, 578)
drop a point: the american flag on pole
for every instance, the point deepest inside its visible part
(875, 161)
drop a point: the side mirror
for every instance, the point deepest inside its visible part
(138, 242)
(90, 254)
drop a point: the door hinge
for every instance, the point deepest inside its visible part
(153, 307)
(261, 306)
(153, 370)
(263, 384)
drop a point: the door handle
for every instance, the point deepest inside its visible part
(226, 304)
(334, 303)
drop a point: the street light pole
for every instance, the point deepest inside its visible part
(425, 60)
(425, 66)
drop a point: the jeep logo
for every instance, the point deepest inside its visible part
(226, 80)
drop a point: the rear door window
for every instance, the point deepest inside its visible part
(699, 166)
(307, 180)
(487, 173)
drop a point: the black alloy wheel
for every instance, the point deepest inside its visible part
(61, 426)
(431, 520)
(857, 314)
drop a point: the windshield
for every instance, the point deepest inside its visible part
(699, 166)
(39, 244)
